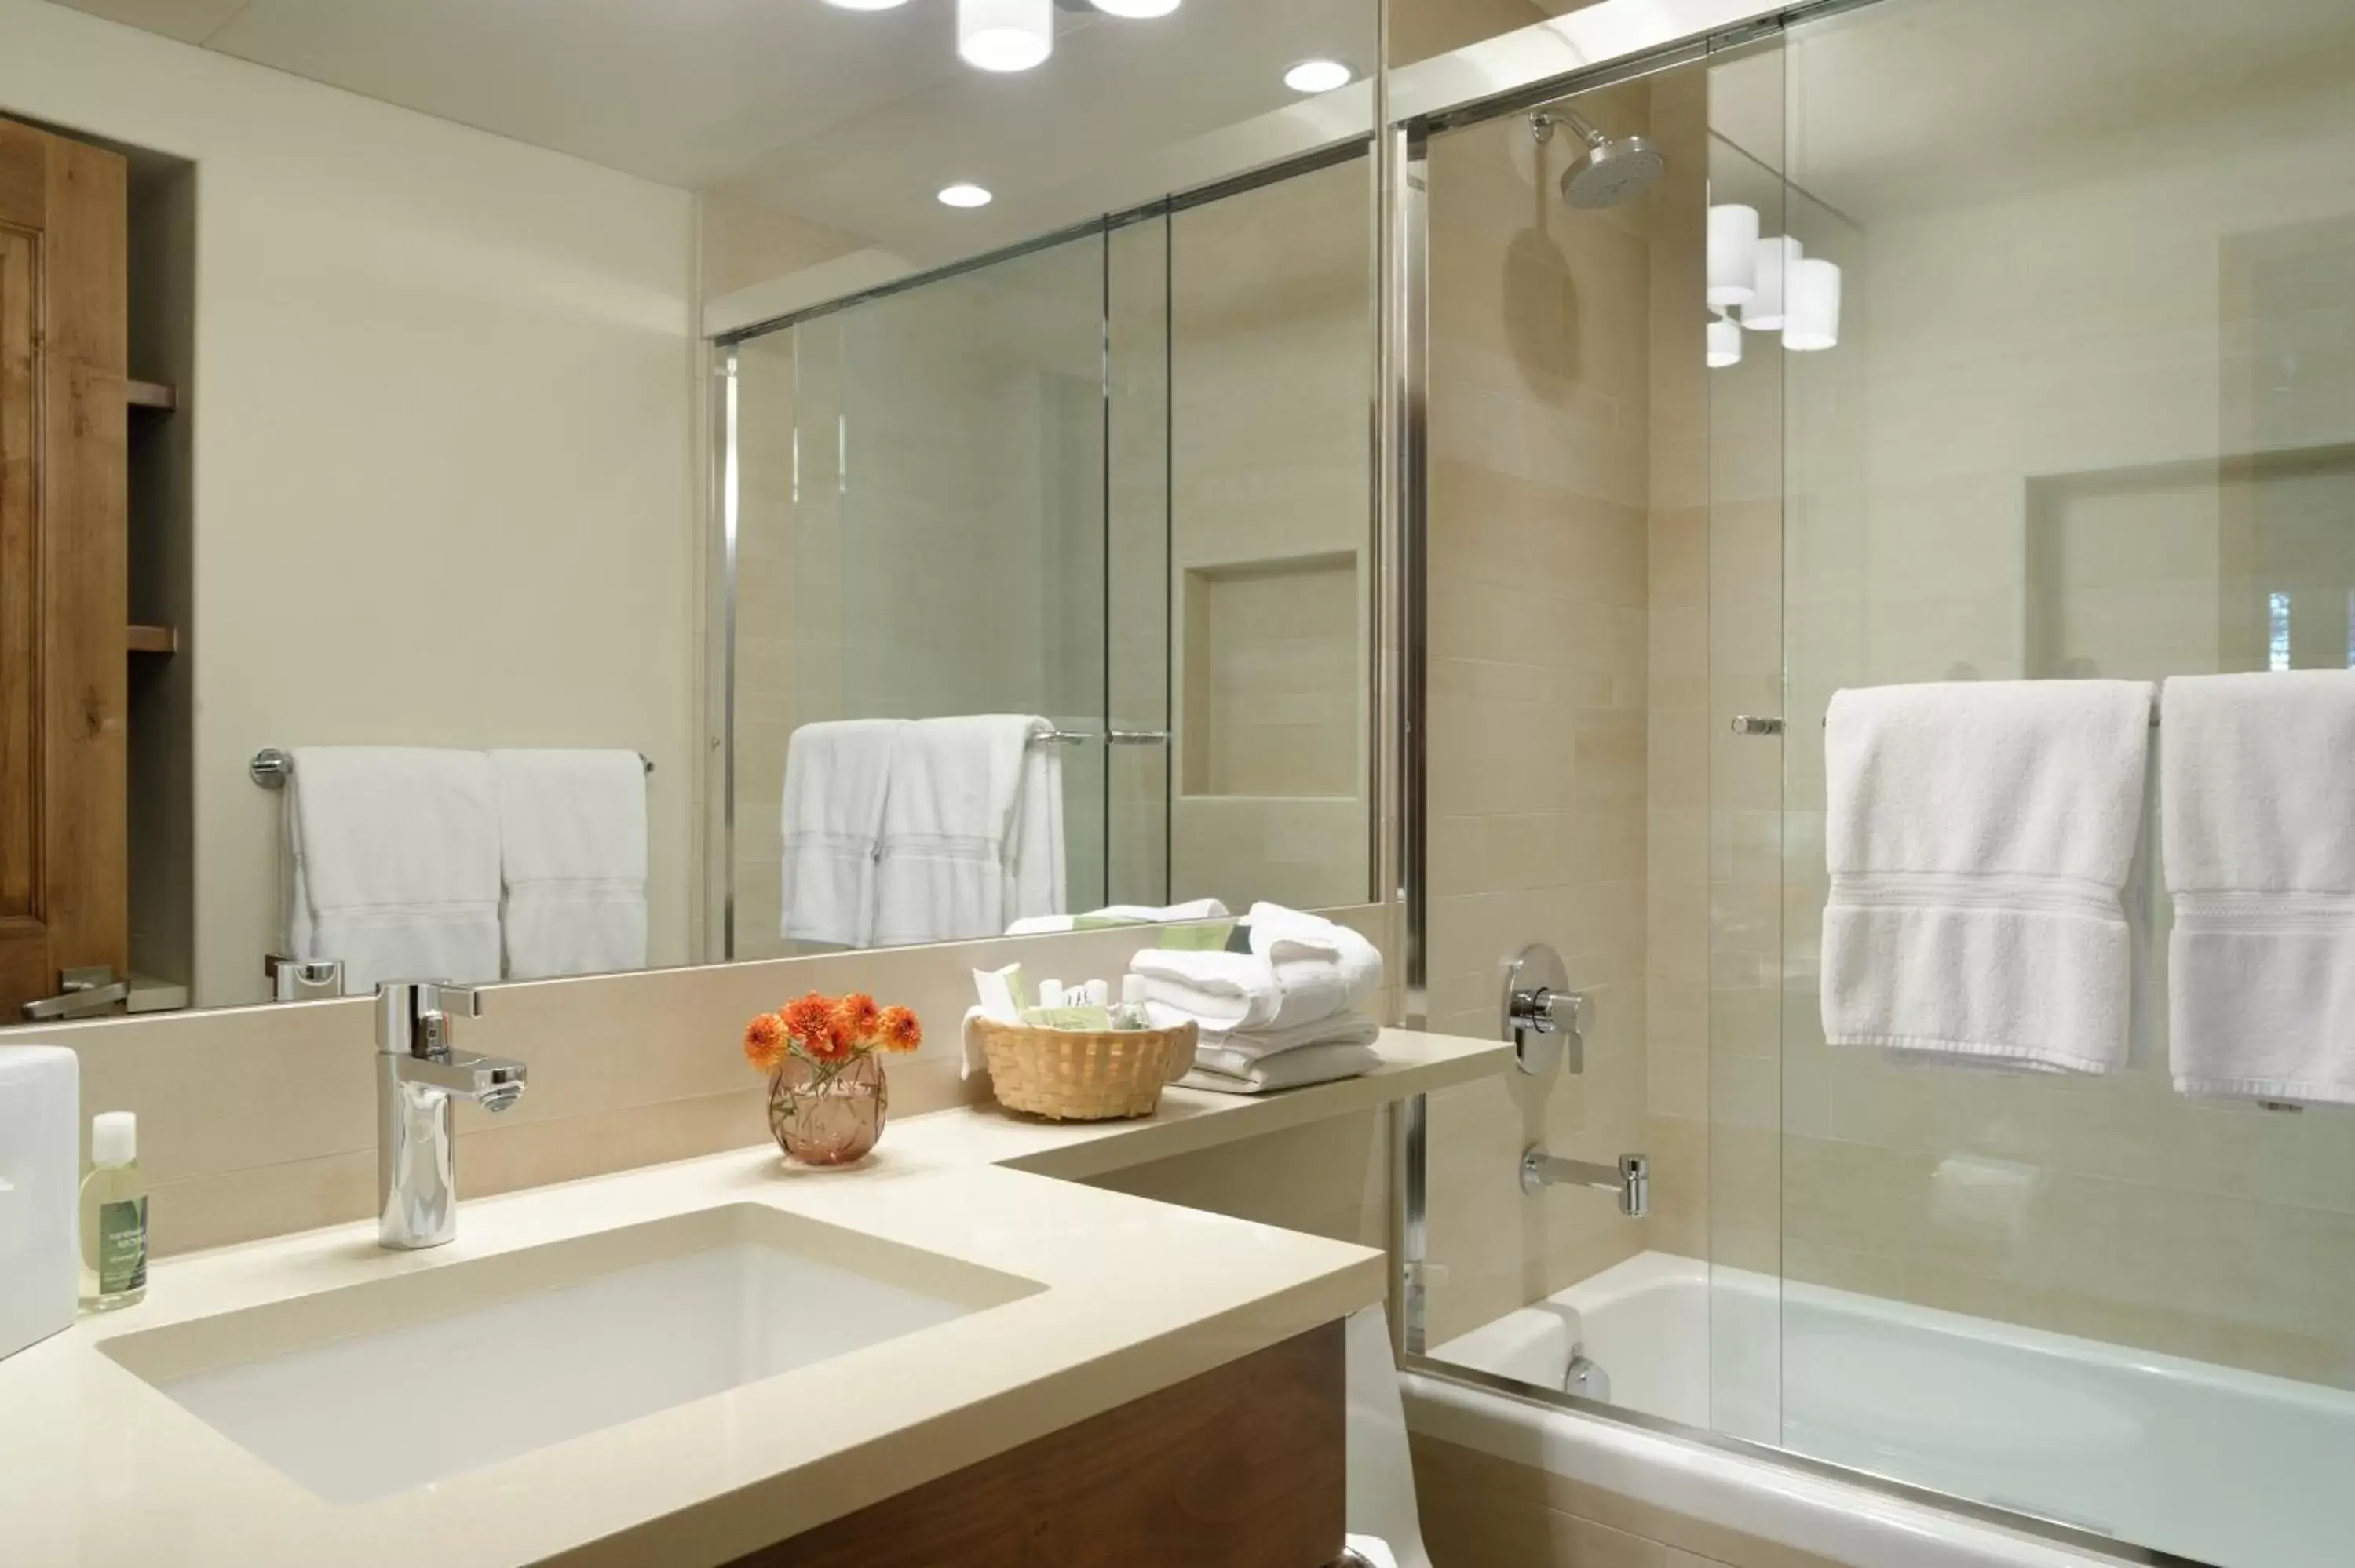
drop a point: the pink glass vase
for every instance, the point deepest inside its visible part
(828, 1113)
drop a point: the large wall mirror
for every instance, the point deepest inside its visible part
(523, 464)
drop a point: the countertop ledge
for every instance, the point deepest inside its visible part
(98, 1470)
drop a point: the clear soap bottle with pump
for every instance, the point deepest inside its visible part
(113, 1216)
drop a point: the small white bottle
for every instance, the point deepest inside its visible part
(1131, 1012)
(113, 1216)
(1099, 994)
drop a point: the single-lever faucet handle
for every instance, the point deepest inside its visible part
(450, 1001)
(412, 1017)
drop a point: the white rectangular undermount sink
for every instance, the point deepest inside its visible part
(372, 1388)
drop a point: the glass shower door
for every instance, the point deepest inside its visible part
(952, 499)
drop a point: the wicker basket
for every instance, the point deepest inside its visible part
(1070, 1075)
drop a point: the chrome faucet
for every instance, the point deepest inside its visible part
(1631, 1178)
(417, 1077)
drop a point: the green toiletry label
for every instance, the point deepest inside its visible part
(122, 1246)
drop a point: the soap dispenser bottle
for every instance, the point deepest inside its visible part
(113, 1216)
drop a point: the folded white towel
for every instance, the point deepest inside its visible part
(1978, 837)
(394, 863)
(2258, 822)
(1288, 1070)
(1300, 968)
(1237, 1054)
(1312, 953)
(1119, 915)
(835, 776)
(972, 830)
(572, 856)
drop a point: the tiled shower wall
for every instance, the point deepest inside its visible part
(1540, 597)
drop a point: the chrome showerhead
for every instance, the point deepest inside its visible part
(1612, 169)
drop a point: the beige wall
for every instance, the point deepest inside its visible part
(1271, 351)
(1539, 680)
(1421, 28)
(440, 413)
(256, 1121)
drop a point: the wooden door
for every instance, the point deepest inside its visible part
(63, 596)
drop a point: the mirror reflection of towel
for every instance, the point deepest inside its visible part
(973, 830)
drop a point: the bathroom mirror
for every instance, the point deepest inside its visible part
(658, 382)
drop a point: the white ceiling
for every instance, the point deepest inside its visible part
(850, 119)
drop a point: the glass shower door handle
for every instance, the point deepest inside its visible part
(1137, 737)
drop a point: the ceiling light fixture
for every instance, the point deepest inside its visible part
(866, 5)
(1811, 292)
(1762, 311)
(1316, 76)
(1137, 7)
(1724, 345)
(1005, 35)
(965, 194)
(1732, 255)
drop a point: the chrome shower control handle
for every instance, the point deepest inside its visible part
(1544, 1019)
(1544, 1010)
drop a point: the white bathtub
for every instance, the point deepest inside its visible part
(2230, 1468)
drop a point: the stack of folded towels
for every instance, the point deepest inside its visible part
(1288, 1010)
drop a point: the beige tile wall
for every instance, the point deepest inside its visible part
(1271, 345)
(1539, 772)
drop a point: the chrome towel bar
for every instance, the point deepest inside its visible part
(270, 768)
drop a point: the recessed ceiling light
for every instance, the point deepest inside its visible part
(866, 5)
(963, 194)
(1317, 75)
(1137, 7)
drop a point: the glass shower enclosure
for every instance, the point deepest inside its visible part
(1845, 396)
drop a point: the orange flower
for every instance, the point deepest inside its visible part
(900, 1030)
(830, 1047)
(764, 1042)
(810, 1022)
(857, 1018)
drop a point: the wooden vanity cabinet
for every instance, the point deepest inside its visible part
(1242, 1466)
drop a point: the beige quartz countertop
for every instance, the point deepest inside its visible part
(98, 1467)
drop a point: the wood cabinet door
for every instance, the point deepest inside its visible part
(63, 597)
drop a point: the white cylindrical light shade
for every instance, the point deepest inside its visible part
(1732, 255)
(1724, 343)
(1764, 311)
(1137, 7)
(1005, 35)
(1811, 298)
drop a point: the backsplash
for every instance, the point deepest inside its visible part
(256, 1121)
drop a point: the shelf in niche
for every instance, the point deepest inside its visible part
(163, 640)
(155, 395)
